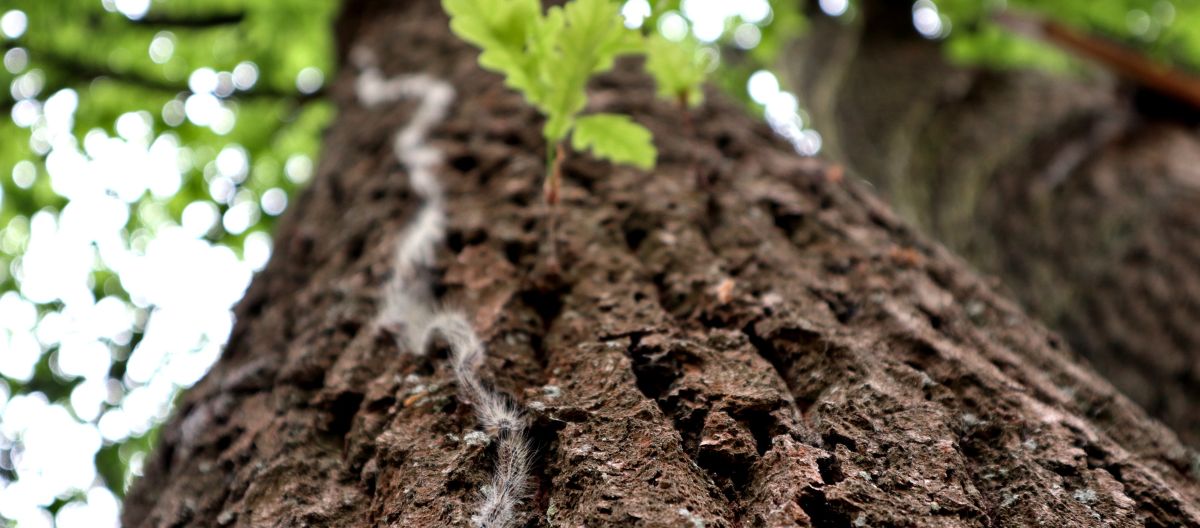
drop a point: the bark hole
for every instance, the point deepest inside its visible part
(342, 411)
(464, 163)
(822, 512)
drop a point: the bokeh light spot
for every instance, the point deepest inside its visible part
(298, 168)
(309, 80)
(747, 36)
(162, 47)
(274, 201)
(203, 81)
(199, 217)
(926, 19)
(834, 7)
(133, 9)
(13, 23)
(245, 74)
(673, 26)
(24, 174)
(762, 85)
(635, 13)
(15, 60)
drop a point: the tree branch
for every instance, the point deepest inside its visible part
(200, 21)
(84, 72)
(1162, 78)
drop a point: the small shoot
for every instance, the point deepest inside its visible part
(679, 68)
(549, 58)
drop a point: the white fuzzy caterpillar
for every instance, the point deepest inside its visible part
(408, 305)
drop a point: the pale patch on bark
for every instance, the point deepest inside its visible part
(409, 309)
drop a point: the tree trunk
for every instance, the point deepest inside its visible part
(776, 349)
(1078, 191)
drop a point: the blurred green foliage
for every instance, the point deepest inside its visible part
(738, 59)
(1166, 30)
(128, 62)
(80, 44)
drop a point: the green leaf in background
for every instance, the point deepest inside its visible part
(1166, 30)
(679, 68)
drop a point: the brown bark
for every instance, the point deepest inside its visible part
(1077, 191)
(777, 350)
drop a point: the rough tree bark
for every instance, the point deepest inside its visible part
(774, 350)
(1078, 191)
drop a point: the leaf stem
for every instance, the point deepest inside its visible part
(689, 129)
(553, 185)
(554, 157)
(682, 99)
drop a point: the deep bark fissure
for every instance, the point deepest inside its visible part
(655, 377)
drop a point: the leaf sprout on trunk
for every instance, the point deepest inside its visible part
(549, 57)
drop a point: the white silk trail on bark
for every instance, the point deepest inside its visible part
(409, 309)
